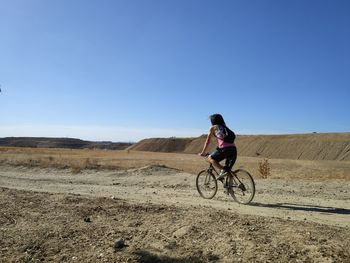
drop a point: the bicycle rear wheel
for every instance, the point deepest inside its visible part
(206, 184)
(241, 186)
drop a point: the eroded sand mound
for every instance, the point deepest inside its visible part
(163, 145)
(323, 146)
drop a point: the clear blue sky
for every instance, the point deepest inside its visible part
(125, 70)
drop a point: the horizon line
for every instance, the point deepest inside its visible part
(123, 134)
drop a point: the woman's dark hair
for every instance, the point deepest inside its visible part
(217, 119)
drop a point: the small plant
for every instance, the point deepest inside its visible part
(264, 168)
(91, 164)
(76, 169)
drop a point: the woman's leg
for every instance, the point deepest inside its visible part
(231, 159)
(215, 163)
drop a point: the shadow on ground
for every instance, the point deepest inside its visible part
(307, 208)
(148, 257)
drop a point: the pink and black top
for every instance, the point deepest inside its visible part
(219, 131)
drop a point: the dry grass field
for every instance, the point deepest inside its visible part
(60, 205)
(191, 163)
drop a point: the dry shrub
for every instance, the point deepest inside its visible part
(78, 165)
(91, 163)
(264, 168)
(76, 169)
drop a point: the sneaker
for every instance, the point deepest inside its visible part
(221, 175)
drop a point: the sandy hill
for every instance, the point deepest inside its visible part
(71, 143)
(314, 146)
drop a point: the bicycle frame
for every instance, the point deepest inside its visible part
(236, 180)
(211, 169)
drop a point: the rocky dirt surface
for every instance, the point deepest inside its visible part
(48, 227)
(154, 214)
(325, 201)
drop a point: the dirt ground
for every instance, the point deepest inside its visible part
(63, 215)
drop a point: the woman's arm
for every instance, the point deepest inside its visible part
(207, 141)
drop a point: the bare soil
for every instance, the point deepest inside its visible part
(63, 215)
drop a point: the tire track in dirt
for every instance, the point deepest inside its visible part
(321, 202)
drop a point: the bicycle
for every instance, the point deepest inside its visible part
(238, 183)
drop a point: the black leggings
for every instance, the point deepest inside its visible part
(228, 153)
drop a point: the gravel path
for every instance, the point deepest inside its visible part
(325, 202)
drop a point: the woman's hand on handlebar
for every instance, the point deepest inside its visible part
(203, 154)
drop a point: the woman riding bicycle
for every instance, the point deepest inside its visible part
(226, 148)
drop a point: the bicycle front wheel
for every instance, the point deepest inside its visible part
(206, 184)
(241, 186)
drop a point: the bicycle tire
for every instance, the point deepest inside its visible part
(243, 189)
(206, 184)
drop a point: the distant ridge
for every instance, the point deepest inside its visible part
(313, 146)
(71, 143)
